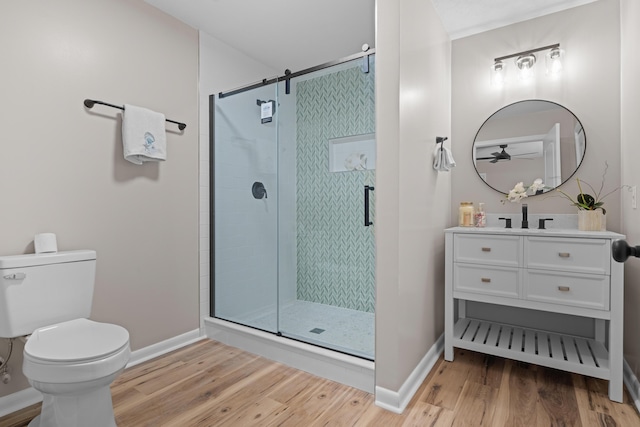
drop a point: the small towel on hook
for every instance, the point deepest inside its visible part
(443, 159)
(143, 135)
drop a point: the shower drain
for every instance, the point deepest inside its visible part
(316, 331)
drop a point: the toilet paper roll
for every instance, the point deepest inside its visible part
(45, 242)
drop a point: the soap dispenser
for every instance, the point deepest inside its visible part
(480, 216)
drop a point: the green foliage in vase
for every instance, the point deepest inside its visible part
(587, 202)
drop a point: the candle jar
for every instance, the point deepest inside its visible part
(465, 214)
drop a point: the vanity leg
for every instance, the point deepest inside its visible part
(449, 308)
(616, 381)
(616, 323)
(448, 341)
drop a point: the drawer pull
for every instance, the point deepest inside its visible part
(485, 280)
(486, 249)
(564, 288)
(564, 254)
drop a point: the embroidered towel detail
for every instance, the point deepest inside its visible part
(143, 135)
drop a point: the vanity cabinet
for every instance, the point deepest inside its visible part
(562, 271)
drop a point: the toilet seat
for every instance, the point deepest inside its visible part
(76, 341)
(75, 351)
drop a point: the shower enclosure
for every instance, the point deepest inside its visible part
(292, 203)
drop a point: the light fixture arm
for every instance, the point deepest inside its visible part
(528, 52)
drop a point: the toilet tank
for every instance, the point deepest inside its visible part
(38, 290)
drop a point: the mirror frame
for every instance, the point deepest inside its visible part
(584, 152)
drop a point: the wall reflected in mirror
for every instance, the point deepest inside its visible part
(528, 140)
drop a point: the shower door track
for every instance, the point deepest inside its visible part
(289, 75)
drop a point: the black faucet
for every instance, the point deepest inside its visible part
(507, 223)
(525, 222)
(541, 222)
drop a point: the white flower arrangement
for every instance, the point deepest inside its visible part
(519, 192)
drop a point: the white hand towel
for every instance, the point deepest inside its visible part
(143, 135)
(443, 159)
(449, 162)
(437, 158)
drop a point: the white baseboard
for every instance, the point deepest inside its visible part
(27, 397)
(19, 400)
(633, 385)
(397, 401)
(164, 347)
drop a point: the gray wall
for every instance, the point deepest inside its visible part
(589, 87)
(61, 166)
(412, 200)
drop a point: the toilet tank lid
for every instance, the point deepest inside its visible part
(31, 260)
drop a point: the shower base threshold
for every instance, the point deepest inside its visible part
(343, 368)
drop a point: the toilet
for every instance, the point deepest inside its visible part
(70, 359)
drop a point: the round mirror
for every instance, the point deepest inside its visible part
(528, 140)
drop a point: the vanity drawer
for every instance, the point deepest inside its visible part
(498, 281)
(488, 249)
(566, 254)
(579, 290)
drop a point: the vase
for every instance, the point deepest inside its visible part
(592, 220)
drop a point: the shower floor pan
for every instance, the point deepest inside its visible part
(340, 329)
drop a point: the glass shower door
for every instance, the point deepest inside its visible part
(245, 208)
(294, 176)
(326, 162)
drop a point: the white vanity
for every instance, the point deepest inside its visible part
(560, 271)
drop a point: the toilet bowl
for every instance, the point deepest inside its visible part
(73, 364)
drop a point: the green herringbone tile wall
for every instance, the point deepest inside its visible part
(335, 252)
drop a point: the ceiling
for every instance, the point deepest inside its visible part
(463, 18)
(298, 34)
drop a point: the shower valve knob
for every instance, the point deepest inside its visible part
(258, 190)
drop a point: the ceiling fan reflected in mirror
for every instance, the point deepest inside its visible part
(516, 152)
(497, 156)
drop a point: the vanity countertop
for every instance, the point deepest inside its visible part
(557, 232)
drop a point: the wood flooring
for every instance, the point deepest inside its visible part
(210, 384)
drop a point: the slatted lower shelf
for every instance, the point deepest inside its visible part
(569, 353)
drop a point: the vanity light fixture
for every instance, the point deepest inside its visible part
(554, 61)
(525, 62)
(498, 71)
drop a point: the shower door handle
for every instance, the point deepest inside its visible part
(367, 188)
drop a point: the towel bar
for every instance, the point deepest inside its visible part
(89, 103)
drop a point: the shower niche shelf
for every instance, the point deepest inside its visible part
(352, 153)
